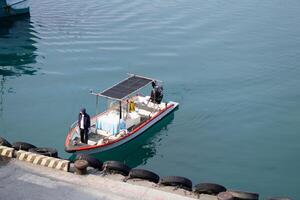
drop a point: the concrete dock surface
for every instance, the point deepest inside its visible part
(20, 180)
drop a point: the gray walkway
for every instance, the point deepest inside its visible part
(20, 180)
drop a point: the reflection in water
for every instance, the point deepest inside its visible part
(139, 150)
(17, 50)
(17, 47)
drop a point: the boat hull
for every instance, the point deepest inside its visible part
(14, 10)
(140, 131)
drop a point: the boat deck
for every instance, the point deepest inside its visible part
(105, 127)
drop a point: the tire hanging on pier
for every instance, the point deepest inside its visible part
(116, 167)
(45, 151)
(209, 188)
(4, 142)
(143, 174)
(22, 146)
(178, 181)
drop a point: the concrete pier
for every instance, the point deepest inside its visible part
(21, 180)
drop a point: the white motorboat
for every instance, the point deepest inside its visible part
(127, 116)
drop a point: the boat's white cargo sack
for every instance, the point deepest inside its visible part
(46, 161)
(6, 151)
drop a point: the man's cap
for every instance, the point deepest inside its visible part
(153, 83)
(82, 110)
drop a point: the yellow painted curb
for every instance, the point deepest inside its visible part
(6, 151)
(45, 161)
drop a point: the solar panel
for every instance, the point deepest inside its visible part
(126, 87)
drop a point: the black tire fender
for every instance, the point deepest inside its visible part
(143, 174)
(177, 181)
(239, 195)
(116, 167)
(209, 188)
(22, 146)
(4, 142)
(93, 162)
(45, 151)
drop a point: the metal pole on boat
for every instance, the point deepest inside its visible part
(97, 101)
(120, 109)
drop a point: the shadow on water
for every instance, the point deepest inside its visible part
(17, 50)
(139, 150)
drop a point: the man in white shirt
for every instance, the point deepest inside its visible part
(84, 124)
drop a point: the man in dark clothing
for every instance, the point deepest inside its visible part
(84, 124)
(156, 93)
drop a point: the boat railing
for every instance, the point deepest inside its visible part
(73, 125)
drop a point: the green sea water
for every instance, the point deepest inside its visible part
(232, 65)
